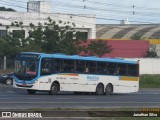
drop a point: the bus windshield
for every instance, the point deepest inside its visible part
(26, 68)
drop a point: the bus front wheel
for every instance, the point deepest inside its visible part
(54, 89)
(99, 89)
(31, 92)
(109, 89)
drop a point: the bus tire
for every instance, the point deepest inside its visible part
(31, 92)
(54, 89)
(109, 89)
(100, 89)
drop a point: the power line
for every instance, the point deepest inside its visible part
(121, 6)
(90, 8)
(107, 10)
(122, 12)
(55, 14)
(106, 18)
(85, 22)
(122, 29)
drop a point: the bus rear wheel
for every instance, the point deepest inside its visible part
(54, 89)
(109, 89)
(31, 92)
(100, 89)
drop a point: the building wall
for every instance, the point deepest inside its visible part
(127, 31)
(84, 23)
(124, 48)
(39, 6)
(33, 6)
(158, 49)
(149, 65)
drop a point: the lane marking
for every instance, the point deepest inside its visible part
(89, 98)
(147, 93)
(63, 98)
(11, 91)
(50, 99)
(79, 102)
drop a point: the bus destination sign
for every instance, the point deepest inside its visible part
(27, 56)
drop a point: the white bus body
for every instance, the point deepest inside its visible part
(80, 82)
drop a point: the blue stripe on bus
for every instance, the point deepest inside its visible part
(77, 57)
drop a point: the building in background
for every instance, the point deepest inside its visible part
(124, 48)
(124, 31)
(124, 21)
(39, 11)
(128, 48)
(43, 6)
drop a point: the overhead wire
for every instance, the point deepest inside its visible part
(119, 6)
(97, 18)
(104, 18)
(57, 14)
(123, 28)
(148, 15)
(105, 10)
(81, 6)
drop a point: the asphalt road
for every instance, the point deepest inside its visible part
(11, 98)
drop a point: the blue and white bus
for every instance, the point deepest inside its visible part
(59, 72)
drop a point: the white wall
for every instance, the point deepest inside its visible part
(83, 22)
(149, 65)
(158, 49)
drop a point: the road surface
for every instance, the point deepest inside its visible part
(11, 98)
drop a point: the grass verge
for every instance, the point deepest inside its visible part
(149, 81)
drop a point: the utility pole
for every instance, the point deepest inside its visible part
(4, 65)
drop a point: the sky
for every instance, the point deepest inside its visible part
(106, 11)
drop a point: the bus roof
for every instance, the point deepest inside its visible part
(77, 57)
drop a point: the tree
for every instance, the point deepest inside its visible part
(14, 42)
(98, 48)
(6, 9)
(151, 53)
(8, 47)
(51, 37)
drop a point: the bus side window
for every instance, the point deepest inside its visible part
(102, 68)
(79, 66)
(46, 66)
(121, 69)
(133, 70)
(90, 67)
(57, 65)
(112, 68)
(86, 70)
(117, 70)
(68, 65)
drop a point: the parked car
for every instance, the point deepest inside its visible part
(7, 78)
